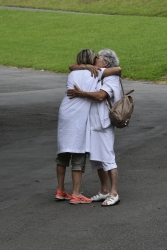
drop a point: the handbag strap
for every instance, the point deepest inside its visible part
(108, 103)
(121, 85)
(127, 93)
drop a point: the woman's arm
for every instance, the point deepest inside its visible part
(93, 69)
(112, 71)
(100, 95)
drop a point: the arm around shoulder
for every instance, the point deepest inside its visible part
(112, 71)
(77, 67)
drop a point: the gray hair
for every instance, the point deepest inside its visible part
(110, 57)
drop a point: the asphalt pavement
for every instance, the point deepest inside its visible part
(31, 219)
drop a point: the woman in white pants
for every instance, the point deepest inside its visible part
(102, 132)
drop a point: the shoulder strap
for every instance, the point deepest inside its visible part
(108, 98)
(121, 85)
(127, 93)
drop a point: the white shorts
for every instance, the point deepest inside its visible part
(105, 165)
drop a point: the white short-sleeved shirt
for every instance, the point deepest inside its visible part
(73, 114)
(102, 139)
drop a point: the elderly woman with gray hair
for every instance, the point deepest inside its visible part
(72, 126)
(102, 132)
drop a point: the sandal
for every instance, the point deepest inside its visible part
(99, 197)
(111, 200)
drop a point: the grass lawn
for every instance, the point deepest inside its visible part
(123, 7)
(50, 41)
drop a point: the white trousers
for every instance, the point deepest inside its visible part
(105, 165)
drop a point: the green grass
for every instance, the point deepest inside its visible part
(123, 7)
(50, 41)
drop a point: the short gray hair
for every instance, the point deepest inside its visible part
(110, 57)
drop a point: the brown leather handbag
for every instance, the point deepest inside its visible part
(120, 113)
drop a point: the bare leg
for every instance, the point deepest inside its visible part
(103, 176)
(76, 177)
(113, 177)
(61, 170)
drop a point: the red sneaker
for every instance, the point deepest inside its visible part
(79, 199)
(62, 195)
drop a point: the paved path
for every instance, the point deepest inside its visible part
(31, 219)
(47, 10)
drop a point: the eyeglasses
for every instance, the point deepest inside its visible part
(96, 57)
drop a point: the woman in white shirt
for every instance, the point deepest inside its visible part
(102, 134)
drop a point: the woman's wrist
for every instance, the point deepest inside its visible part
(80, 94)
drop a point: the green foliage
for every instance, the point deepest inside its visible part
(123, 7)
(50, 41)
